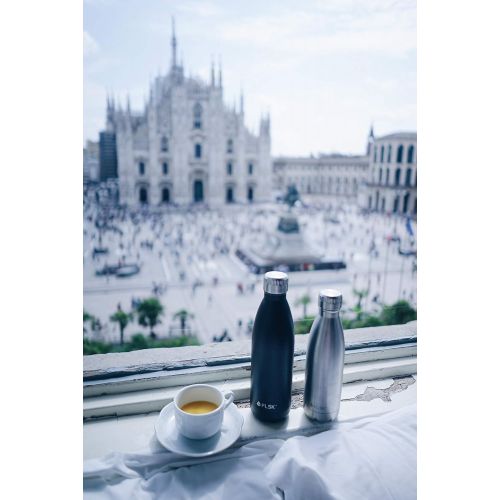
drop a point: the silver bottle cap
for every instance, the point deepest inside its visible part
(330, 300)
(275, 282)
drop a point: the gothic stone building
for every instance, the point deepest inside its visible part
(187, 146)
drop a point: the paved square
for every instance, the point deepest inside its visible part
(191, 256)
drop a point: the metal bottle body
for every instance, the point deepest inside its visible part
(324, 367)
(272, 356)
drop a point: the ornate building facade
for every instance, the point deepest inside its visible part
(336, 176)
(187, 146)
(391, 186)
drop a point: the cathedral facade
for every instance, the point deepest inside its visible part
(187, 146)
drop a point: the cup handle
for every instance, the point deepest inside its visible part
(228, 399)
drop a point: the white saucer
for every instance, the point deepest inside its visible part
(169, 437)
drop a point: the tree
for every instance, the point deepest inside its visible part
(399, 313)
(138, 341)
(123, 319)
(183, 316)
(302, 326)
(360, 294)
(304, 301)
(95, 347)
(88, 318)
(149, 312)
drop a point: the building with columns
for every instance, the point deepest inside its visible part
(186, 146)
(337, 176)
(391, 186)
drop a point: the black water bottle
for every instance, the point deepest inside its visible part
(272, 352)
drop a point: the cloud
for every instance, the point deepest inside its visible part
(200, 8)
(325, 69)
(90, 46)
(301, 33)
(91, 3)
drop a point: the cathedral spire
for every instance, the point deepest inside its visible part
(242, 103)
(371, 135)
(173, 43)
(220, 72)
(109, 111)
(212, 73)
(265, 123)
(371, 139)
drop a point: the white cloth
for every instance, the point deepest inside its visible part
(371, 458)
(234, 474)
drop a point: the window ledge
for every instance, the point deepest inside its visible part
(135, 433)
(124, 392)
(145, 381)
(113, 365)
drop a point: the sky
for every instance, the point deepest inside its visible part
(325, 70)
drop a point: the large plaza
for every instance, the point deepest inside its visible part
(187, 260)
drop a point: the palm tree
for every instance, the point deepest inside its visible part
(88, 318)
(183, 316)
(360, 294)
(123, 319)
(304, 301)
(149, 312)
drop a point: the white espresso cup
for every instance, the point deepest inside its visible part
(201, 425)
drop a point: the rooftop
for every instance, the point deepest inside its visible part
(322, 158)
(398, 135)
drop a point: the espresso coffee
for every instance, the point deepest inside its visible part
(199, 407)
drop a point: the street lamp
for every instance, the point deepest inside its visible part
(401, 193)
(388, 239)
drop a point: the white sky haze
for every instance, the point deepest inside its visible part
(324, 69)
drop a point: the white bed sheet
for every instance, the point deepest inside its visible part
(370, 458)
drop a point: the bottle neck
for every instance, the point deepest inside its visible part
(275, 296)
(329, 314)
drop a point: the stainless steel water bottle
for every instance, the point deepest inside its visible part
(272, 352)
(325, 360)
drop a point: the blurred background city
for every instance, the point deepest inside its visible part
(220, 144)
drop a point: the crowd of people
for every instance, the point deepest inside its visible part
(191, 238)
